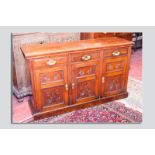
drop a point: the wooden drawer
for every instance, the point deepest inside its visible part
(115, 52)
(50, 61)
(85, 56)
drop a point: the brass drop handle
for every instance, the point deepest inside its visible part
(86, 57)
(73, 85)
(51, 62)
(66, 86)
(116, 53)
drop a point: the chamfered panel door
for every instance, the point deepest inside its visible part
(51, 87)
(114, 76)
(85, 81)
(113, 84)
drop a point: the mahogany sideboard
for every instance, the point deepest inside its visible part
(71, 76)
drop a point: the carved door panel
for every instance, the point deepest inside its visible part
(114, 84)
(114, 76)
(52, 87)
(85, 81)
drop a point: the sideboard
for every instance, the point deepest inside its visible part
(71, 76)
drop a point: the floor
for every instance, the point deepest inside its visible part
(135, 98)
(22, 113)
(136, 65)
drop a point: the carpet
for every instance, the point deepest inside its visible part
(120, 111)
(113, 112)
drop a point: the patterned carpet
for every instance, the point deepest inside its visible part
(122, 111)
(113, 112)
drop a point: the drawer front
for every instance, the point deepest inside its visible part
(50, 61)
(85, 56)
(115, 52)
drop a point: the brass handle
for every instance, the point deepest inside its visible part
(66, 86)
(102, 79)
(73, 85)
(86, 57)
(51, 62)
(116, 53)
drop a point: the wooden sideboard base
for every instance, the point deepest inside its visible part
(45, 114)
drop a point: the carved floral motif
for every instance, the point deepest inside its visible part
(58, 75)
(46, 78)
(82, 71)
(86, 89)
(114, 83)
(53, 95)
(114, 66)
(118, 66)
(110, 67)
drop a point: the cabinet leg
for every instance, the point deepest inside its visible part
(20, 94)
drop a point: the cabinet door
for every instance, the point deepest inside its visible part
(114, 76)
(85, 81)
(51, 87)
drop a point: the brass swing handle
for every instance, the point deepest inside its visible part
(116, 53)
(51, 62)
(66, 86)
(86, 57)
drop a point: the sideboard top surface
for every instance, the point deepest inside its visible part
(51, 48)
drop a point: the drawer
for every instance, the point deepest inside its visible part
(50, 61)
(115, 52)
(85, 56)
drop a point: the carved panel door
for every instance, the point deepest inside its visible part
(114, 76)
(85, 81)
(52, 87)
